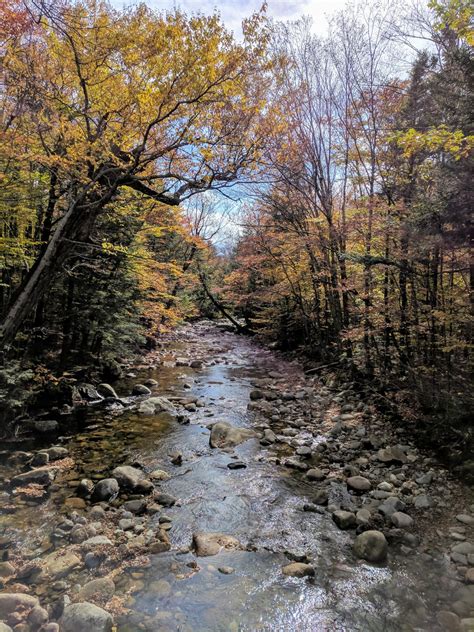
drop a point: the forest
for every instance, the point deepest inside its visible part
(236, 300)
(343, 161)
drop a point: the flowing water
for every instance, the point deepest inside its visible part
(260, 505)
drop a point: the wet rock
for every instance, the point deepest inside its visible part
(159, 475)
(56, 452)
(224, 435)
(60, 563)
(344, 519)
(85, 617)
(401, 520)
(392, 455)
(236, 465)
(269, 436)
(93, 560)
(165, 499)
(9, 602)
(298, 569)
(38, 476)
(106, 489)
(39, 459)
(150, 382)
(304, 452)
(315, 474)
(85, 488)
(207, 544)
(464, 548)
(320, 497)
(156, 405)
(97, 590)
(143, 486)
(127, 476)
(97, 513)
(359, 484)
(75, 503)
(226, 570)
(106, 390)
(256, 394)
(371, 546)
(86, 392)
(465, 519)
(140, 389)
(45, 425)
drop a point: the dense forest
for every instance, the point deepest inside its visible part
(344, 162)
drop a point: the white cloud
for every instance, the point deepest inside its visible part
(234, 11)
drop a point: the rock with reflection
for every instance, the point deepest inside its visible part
(225, 435)
(207, 544)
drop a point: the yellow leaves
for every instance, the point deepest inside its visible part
(457, 15)
(437, 139)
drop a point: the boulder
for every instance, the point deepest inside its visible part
(224, 435)
(401, 520)
(315, 474)
(56, 452)
(106, 489)
(101, 590)
(392, 455)
(85, 617)
(344, 519)
(156, 405)
(105, 390)
(371, 546)
(298, 569)
(39, 476)
(45, 425)
(60, 563)
(359, 484)
(127, 476)
(140, 389)
(85, 488)
(9, 602)
(206, 544)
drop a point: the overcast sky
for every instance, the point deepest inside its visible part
(233, 11)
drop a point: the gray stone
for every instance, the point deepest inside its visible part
(391, 455)
(224, 435)
(391, 505)
(106, 489)
(465, 519)
(315, 474)
(38, 476)
(96, 540)
(156, 405)
(85, 488)
(127, 476)
(45, 425)
(37, 617)
(371, 546)
(359, 483)
(298, 569)
(4, 627)
(401, 520)
(344, 519)
(423, 502)
(60, 563)
(140, 389)
(464, 548)
(9, 602)
(207, 544)
(165, 499)
(85, 617)
(101, 589)
(107, 391)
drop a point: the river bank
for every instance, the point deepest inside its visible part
(144, 516)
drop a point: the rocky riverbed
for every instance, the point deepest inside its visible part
(217, 487)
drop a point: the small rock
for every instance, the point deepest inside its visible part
(101, 590)
(105, 390)
(423, 502)
(315, 474)
(165, 499)
(37, 617)
(224, 435)
(465, 519)
(226, 570)
(298, 569)
(236, 465)
(449, 621)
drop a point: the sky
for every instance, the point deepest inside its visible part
(233, 11)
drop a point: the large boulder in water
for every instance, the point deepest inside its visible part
(224, 435)
(206, 544)
(85, 617)
(371, 546)
(156, 405)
